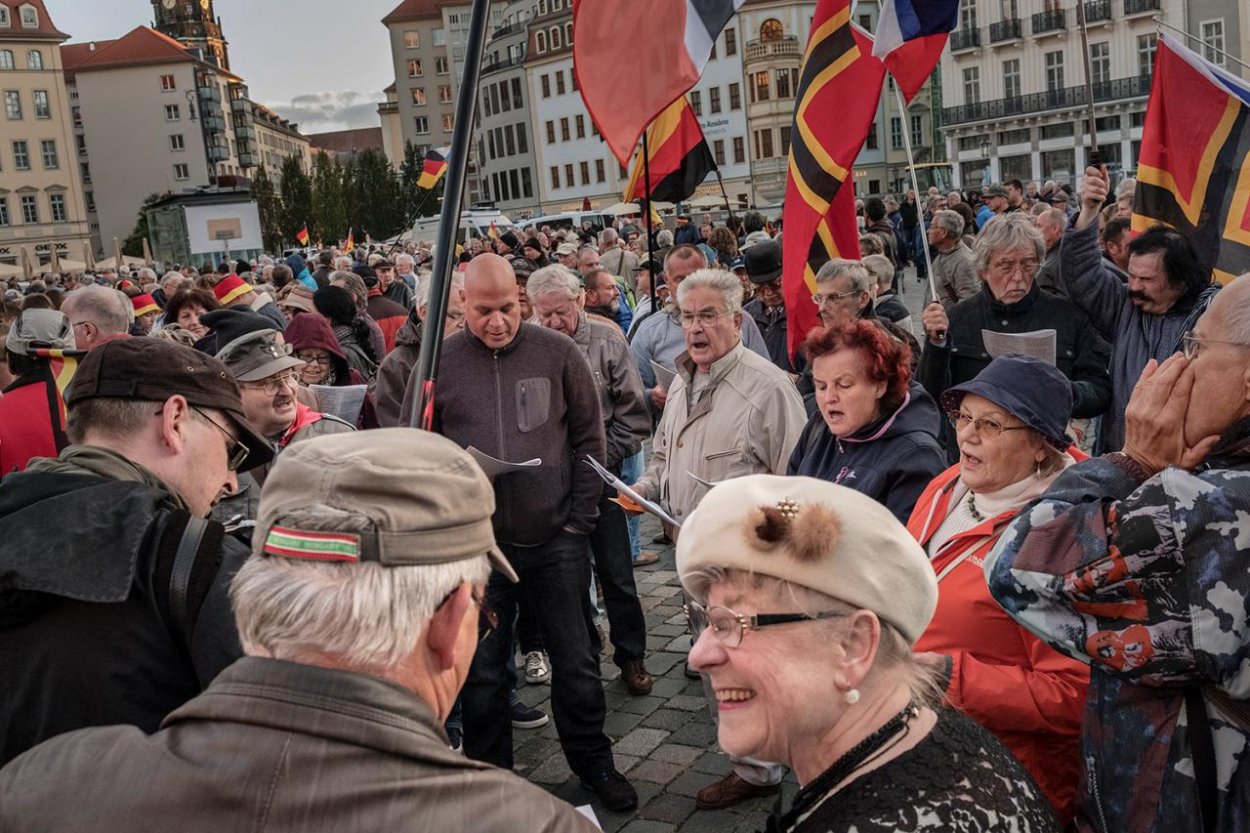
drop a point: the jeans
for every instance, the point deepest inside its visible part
(631, 470)
(610, 545)
(553, 581)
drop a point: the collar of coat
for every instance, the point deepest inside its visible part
(1020, 307)
(686, 367)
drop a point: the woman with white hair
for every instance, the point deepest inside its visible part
(803, 629)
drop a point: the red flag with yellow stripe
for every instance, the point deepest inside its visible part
(60, 366)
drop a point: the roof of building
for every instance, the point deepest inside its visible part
(418, 10)
(44, 31)
(140, 46)
(347, 141)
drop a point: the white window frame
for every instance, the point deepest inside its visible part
(29, 16)
(177, 143)
(37, 63)
(1213, 41)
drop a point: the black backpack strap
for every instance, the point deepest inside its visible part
(1202, 750)
(180, 577)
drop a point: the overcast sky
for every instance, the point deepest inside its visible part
(322, 63)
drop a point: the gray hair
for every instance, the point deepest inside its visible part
(1007, 231)
(342, 263)
(1054, 217)
(364, 615)
(146, 275)
(951, 222)
(109, 310)
(554, 278)
(861, 281)
(726, 283)
(608, 237)
(354, 284)
(664, 237)
(405, 259)
(427, 280)
(881, 269)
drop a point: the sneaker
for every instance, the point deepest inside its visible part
(536, 668)
(455, 740)
(615, 793)
(525, 717)
(637, 679)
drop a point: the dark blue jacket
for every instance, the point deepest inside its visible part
(891, 460)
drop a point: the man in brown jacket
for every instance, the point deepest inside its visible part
(359, 617)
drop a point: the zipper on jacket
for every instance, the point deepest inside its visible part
(499, 407)
(1092, 775)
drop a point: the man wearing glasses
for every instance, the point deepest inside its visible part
(115, 589)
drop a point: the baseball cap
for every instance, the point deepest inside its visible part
(257, 355)
(995, 190)
(566, 249)
(425, 500)
(156, 369)
(39, 328)
(815, 534)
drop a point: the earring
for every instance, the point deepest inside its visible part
(851, 697)
(1038, 472)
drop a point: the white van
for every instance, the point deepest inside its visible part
(573, 219)
(473, 223)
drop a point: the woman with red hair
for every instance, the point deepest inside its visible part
(875, 431)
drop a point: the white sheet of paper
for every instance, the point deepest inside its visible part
(623, 488)
(495, 467)
(1038, 344)
(589, 812)
(343, 402)
(663, 376)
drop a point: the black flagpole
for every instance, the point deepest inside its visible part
(449, 219)
(646, 184)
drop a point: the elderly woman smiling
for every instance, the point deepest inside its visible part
(805, 599)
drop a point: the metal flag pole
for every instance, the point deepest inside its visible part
(728, 207)
(646, 184)
(1159, 22)
(915, 185)
(449, 219)
(1095, 157)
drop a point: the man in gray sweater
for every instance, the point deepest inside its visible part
(517, 391)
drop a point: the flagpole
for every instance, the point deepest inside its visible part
(728, 207)
(449, 218)
(646, 184)
(915, 184)
(1095, 156)
(1159, 22)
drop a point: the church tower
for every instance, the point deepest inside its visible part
(192, 23)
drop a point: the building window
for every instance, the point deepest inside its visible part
(42, 109)
(21, 156)
(414, 68)
(584, 167)
(1054, 71)
(444, 94)
(527, 184)
(440, 66)
(490, 138)
(564, 130)
(12, 104)
(512, 180)
(760, 86)
(544, 82)
(573, 80)
(568, 175)
(449, 122)
(81, 142)
(771, 30)
(1100, 62)
(30, 17)
(783, 83)
(731, 41)
(896, 132)
(176, 142)
(553, 37)
(412, 39)
(784, 133)
(871, 142)
(4, 211)
(4, 15)
(422, 124)
(516, 93)
(555, 176)
(418, 98)
(509, 139)
(551, 132)
(696, 102)
(740, 150)
(972, 85)
(504, 97)
(30, 209)
(1146, 53)
(172, 112)
(1011, 78)
(34, 59)
(540, 46)
(917, 130)
(1213, 41)
(47, 149)
(559, 83)
(181, 171)
(440, 37)
(601, 174)
(57, 203)
(6, 58)
(764, 144)
(522, 144)
(713, 100)
(168, 84)
(579, 123)
(735, 96)
(85, 172)
(718, 151)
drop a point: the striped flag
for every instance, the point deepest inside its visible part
(671, 40)
(302, 235)
(350, 246)
(492, 232)
(911, 35)
(318, 546)
(60, 367)
(433, 168)
(680, 158)
(1193, 174)
(839, 87)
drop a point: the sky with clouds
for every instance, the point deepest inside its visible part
(322, 63)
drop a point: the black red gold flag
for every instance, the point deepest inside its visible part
(433, 168)
(680, 158)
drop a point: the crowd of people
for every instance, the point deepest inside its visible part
(977, 565)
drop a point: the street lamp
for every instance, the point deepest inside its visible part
(985, 147)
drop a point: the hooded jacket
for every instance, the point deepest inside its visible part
(311, 330)
(891, 460)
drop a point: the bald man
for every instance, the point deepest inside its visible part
(518, 391)
(97, 314)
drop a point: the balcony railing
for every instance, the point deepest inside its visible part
(1141, 6)
(210, 93)
(1054, 20)
(248, 160)
(965, 39)
(757, 49)
(502, 63)
(1065, 98)
(1005, 30)
(213, 123)
(1097, 10)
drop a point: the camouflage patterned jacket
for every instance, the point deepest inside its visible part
(1150, 584)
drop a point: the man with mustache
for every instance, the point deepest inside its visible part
(1168, 289)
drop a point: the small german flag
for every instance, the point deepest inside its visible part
(302, 236)
(351, 241)
(433, 168)
(59, 366)
(679, 156)
(492, 232)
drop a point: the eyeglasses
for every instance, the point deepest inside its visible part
(273, 384)
(1191, 345)
(820, 300)
(1007, 268)
(729, 627)
(324, 361)
(775, 286)
(984, 426)
(236, 451)
(707, 318)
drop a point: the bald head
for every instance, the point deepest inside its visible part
(492, 307)
(97, 314)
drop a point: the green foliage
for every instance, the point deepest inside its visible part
(270, 209)
(329, 209)
(296, 198)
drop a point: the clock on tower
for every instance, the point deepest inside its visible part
(193, 23)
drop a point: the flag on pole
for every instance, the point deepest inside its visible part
(492, 232)
(302, 235)
(1194, 169)
(671, 39)
(60, 366)
(911, 35)
(350, 246)
(433, 168)
(839, 87)
(680, 158)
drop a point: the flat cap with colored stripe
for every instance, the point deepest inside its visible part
(417, 497)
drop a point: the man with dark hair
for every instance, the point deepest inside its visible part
(1116, 235)
(1168, 289)
(1015, 194)
(880, 227)
(325, 268)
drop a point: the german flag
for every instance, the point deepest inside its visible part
(839, 87)
(60, 366)
(433, 168)
(1194, 170)
(350, 246)
(302, 235)
(679, 156)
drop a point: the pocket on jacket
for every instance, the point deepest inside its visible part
(533, 403)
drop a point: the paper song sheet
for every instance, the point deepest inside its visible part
(1039, 344)
(495, 467)
(626, 492)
